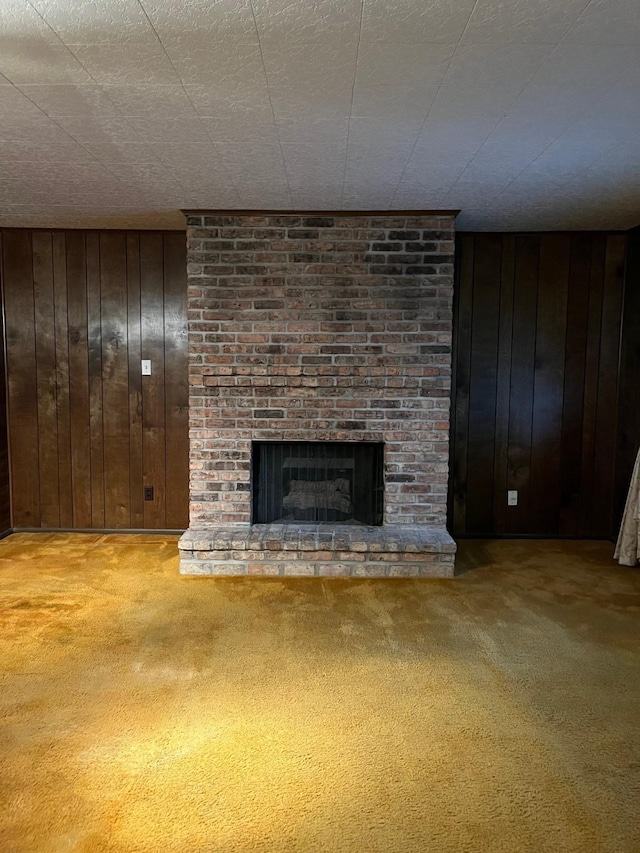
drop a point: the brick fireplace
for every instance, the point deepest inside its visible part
(313, 337)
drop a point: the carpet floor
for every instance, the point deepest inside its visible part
(144, 712)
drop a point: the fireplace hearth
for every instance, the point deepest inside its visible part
(320, 377)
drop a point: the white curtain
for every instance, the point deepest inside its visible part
(627, 551)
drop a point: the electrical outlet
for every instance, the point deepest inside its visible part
(512, 498)
(148, 493)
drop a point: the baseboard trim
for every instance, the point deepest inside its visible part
(96, 530)
(540, 536)
(6, 532)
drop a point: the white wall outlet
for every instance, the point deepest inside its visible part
(146, 367)
(512, 498)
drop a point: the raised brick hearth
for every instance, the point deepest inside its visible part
(319, 328)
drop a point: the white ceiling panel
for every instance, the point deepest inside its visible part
(523, 113)
(101, 129)
(522, 21)
(38, 61)
(157, 129)
(608, 22)
(228, 68)
(311, 81)
(126, 63)
(331, 22)
(415, 21)
(398, 81)
(220, 22)
(95, 21)
(61, 99)
(164, 100)
(32, 151)
(240, 130)
(316, 132)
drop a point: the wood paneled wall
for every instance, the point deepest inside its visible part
(536, 347)
(87, 432)
(628, 438)
(5, 500)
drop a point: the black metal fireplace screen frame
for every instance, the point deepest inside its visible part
(317, 482)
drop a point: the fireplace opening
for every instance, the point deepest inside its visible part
(317, 482)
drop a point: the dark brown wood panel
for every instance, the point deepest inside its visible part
(5, 492)
(551, 321)
(176, 391)
(87, 432)
(22, 377)
(46, 378)
(153, 406)
(79, 408)
(115, 378)
(536, 339)
(628, 422)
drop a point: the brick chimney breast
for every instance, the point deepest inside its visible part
(319, 329)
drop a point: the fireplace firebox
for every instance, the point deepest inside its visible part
(316, 482)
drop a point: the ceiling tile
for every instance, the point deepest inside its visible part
(283, 22)
(69, 100)
(399, 81)
(38, 61)
(160, 100)
(32, 150)
(607, 22)
(316, 132)
(260, 162)
(313, 80)
(230, 99)
(411, 22)
(101, 129)
(97, 21)
(595, 67)
(313, 166)
(158, 129)
(517, 21)
(240, 131)
(228, 68)
(221, 22)
(30, 127)
(124, 152)
(126, 63)
(179, 153)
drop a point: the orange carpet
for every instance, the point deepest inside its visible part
(144, 712)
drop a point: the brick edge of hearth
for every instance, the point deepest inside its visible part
(315, 550)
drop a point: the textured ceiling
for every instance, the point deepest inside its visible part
(525, 114)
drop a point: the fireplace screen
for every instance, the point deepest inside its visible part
(314, 482)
